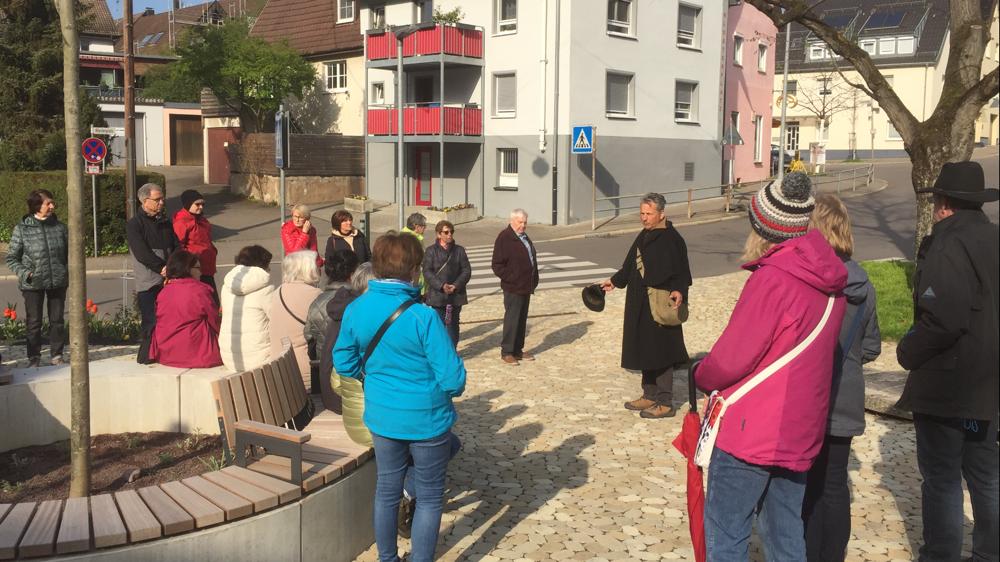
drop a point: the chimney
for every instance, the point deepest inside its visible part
(148, 12)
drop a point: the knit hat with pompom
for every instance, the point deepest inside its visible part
(779, 213)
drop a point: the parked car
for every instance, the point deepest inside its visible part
(774, 158)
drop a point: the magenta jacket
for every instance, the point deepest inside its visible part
(187, 326)
(780, 422)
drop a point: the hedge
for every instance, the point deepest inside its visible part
(15, 187)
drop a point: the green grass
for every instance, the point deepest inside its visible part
(893, 281)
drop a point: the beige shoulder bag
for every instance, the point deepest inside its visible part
(663, 309)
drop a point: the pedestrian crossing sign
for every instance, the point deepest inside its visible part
(583, 139)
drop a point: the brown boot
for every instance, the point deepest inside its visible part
(509, 359)
(658, 411)
(639, 404)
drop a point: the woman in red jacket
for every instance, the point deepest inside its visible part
(299, 233)
(187, 318)
(195, 235)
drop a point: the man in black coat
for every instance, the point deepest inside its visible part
(151, 240)
(647, 346)
(515, 262)
(951, 353)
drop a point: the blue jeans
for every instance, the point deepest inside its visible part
(736, 492)
(393, 459)
(948, 450)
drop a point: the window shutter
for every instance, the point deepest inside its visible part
(617, 93)
(686, 22)
(506, 94)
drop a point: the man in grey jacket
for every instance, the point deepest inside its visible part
(151, 240)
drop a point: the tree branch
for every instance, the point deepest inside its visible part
(984, 90)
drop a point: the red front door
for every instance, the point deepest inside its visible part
(422, 159)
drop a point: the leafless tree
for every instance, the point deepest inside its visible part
(79, 444)
(830, 96)
(948, 134)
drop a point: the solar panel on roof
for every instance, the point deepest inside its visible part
(885, 19)
(838, 20)
(156, 38)
(145, 40)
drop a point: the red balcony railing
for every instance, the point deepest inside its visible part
(440, 39)
(425, 119)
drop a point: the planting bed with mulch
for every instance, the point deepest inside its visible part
(117, 462)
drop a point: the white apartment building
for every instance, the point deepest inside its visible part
(508, 83)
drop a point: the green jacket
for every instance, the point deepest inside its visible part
(38, 253)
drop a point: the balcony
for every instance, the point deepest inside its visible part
(449, 41)
(425, 119)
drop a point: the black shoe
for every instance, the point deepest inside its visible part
(34, 361)
(404, 519)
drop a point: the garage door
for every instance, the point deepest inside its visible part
(185, 140)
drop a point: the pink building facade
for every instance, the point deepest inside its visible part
(750, 100)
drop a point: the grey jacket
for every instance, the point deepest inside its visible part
(151, 240)
(317, 318)
(847, 398)
(38, 253)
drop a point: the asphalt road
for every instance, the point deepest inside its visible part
(883, 225)
(883, 228)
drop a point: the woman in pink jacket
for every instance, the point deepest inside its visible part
(768, 438)
(187, 318)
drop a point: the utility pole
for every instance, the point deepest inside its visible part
(79, 362)
(784, 103)
(129, 112)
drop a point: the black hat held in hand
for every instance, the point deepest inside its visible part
(593, 297)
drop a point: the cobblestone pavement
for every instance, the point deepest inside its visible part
(554, 468)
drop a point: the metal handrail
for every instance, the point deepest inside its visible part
(729, 192)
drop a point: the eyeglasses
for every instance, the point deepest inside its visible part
(446, 232)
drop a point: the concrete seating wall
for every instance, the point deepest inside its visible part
(124, 397)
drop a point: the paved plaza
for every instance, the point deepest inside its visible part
(554, 468)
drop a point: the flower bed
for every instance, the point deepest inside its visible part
(457, 214)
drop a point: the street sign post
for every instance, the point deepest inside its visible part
(281, 158)
(107, 131)
(583, 139)
(94, 170)
(93, 150)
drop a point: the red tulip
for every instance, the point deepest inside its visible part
(13, 315)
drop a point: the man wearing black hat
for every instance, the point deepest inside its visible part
(951, 353)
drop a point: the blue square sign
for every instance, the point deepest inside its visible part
(583, 140)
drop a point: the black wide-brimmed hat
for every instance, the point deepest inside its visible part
(963, 180)
(593, 297)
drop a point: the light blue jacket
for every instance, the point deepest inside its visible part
(414, 371)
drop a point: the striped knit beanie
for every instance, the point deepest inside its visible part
(782, 213)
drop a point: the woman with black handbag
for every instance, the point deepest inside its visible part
(446, 273)
(656, 266)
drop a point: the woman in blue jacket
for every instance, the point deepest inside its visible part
(410, 379)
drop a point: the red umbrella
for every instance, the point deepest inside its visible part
(687, 443)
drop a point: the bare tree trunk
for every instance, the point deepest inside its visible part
(77, 293)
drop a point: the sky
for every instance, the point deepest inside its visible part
(139, 5)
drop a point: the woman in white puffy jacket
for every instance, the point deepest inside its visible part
(246, 295)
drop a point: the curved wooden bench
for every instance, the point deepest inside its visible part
(255, 408)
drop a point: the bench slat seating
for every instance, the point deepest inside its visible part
(40, 537)
(109, 529)
(309, 459)
(139, 520)
(171, 516)
(13, 526)
(205, 512)
(74, 530)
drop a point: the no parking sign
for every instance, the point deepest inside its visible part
(94, 150)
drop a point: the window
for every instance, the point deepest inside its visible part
(376, 17)
(336, 76)
(620, 16)
(507, 164)
(378, 93)
(423, 11)
(890, 132)
(345, 11)
(761, 58)
(793, 87)
(737, 50)
(689, 171)
(868, 45)
(686, 101)
(904, 45)
(887, 46)
(758, 138)
(688, 20)
(504, 94)
(619, 94)
(506, 16)
(817, 51)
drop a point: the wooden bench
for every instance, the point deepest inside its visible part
(263, 411)
(52, 527)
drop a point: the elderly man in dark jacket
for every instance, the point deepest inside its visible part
(446, 273)
(151, 240)
(647, 346)
(951, 353)
(515, 262)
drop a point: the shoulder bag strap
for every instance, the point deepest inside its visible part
(853, 333)
(786, 358)
(288, 310)
(381, 331)
(440, 269)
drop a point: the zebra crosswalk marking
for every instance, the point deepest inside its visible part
(554, 271)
